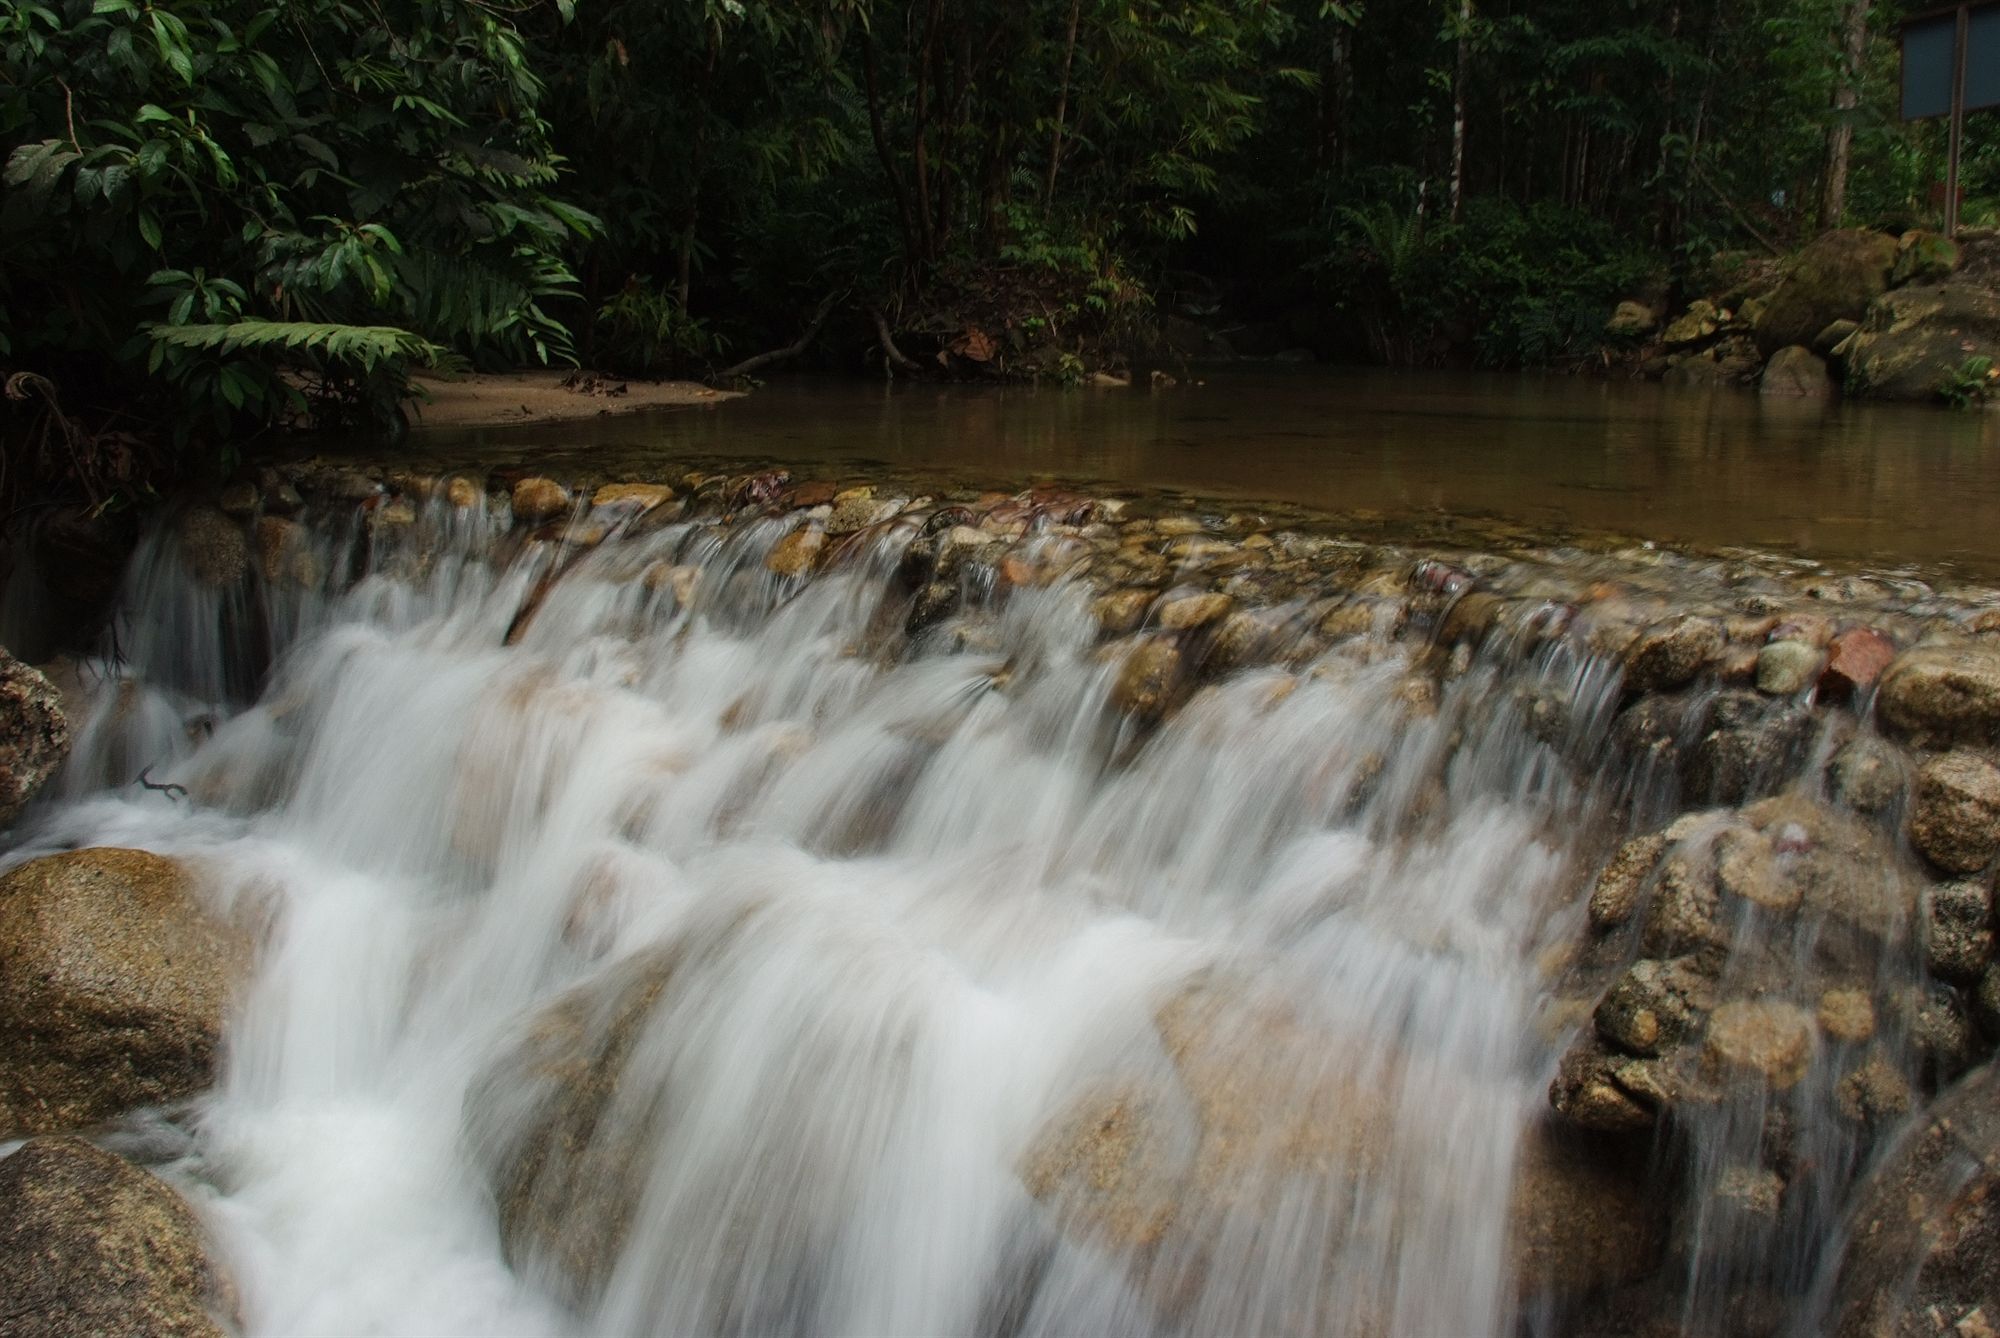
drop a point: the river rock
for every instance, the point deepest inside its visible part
(34, 734)
(633, 498)
(1958, 930)
(1148, 678)
(1924, 257)
(285, 555)
(1922, 1253)
(797, 553)
(1698, 323)
(1795, 372)
(1186, 612)
(1955, 812)
(1672, 655)
(857, 509)
(1828, 342)
(1835, 277)
(1631, 320)
(1915, 337)
(1764, 1039)
(1787, 668)
(562, 1136)
(1121, 611)
(538, 499)
(114, 987)
(1856, 658)
(1940, 695)
(91, 1245)
(1868, 774)
(1750, 747)
(212, 547)
(1582, 1217)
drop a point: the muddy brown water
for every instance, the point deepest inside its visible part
(1882, 485)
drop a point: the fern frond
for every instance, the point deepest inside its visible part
(366, 346)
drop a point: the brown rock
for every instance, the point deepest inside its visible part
(1847, 1016)
(1955, 812)
(1856, 658)
(284, 553)
(539, 499)
(636, 498)
(34, 735)
(1673, 655)
(91, 1245)
(1923, 1253)
(1762, 1039)
(1795, 372)
(1147, 680)
(1941, 695)
(212, 547)
(1121, 611)
(1183, 613)
(1616, 895)
(463, 493)
(114, 986)
(1582, 1217)
(797, 553)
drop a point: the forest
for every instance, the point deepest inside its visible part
(228, 216)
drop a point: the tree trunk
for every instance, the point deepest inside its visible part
(1062, 106)
(1846, 96)
(1458, 109)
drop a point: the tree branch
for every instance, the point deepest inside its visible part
(791, 350)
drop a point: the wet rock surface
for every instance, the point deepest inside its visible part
(1923, 1250)
(114, 988)
(34, 734)
(92, 1245)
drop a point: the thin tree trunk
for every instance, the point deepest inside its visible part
(1062, 105)
(920, 155)
(1458, 109)
(1846, 96)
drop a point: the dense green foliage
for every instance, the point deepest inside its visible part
(226, 213)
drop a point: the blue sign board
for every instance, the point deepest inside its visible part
(1930, 51)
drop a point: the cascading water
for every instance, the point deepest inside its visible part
(660, 938)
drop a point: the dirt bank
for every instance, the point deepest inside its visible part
(549, 395)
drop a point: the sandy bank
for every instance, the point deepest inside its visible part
(547, 395)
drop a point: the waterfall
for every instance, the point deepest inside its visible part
(663, 935)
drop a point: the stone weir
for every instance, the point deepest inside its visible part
(864, 904)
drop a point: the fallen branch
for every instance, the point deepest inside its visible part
(169, 789)
(791, 350)
(890, 353)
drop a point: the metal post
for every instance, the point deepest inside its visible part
(1959, 43)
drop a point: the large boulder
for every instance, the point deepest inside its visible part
(1923, 1246)
(1795, 372)
(34, 734)
(1912, 339)
(1955, 813)
(114, 986)
(1259, 1116)
(92, 1245)
(1941, 695)
(1835, 277)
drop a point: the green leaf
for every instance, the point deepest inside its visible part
(149, 229)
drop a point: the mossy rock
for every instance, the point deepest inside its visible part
(1834, 278)
(1915, 337)
(1923, 256)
